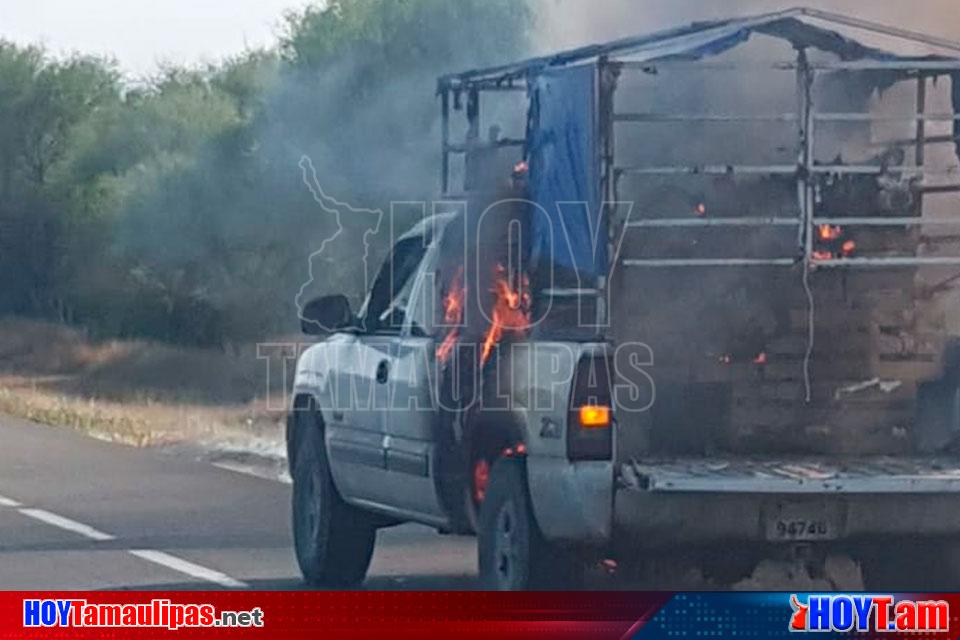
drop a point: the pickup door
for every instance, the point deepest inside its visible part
(382, 453)
(410, 424)
(364, 363)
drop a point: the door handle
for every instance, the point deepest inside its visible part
(383, 371)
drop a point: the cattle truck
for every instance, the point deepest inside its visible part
(730, 324)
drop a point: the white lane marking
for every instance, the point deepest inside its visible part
(256, 471)
(157, 557)
(8, 502)
(189, 568)
(67, 524)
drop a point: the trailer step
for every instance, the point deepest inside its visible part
(807, 475)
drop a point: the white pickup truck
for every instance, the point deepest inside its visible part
(826, 425)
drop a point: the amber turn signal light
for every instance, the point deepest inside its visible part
(594, 416)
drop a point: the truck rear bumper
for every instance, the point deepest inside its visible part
(701, 502)
(659, 520)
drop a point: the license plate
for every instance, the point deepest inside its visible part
(802, 522)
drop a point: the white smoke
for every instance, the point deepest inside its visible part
(568, 23)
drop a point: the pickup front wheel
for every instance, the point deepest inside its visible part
(333, 541)
(513, 555)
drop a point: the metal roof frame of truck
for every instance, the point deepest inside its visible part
(893, 51)
(700, 39)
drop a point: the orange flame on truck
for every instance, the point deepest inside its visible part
(830, 232)
(511, 311)
(452, 315)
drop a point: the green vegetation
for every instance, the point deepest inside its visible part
(174, 209)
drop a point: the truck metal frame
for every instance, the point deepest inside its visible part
(608, 58)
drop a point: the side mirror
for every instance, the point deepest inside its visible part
(326, 314)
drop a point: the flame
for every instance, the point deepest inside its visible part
(822, 255)
(848, 247)
(511, 311)
(700, 209)
(761, 358)
(445, 348)
(452, 315)
(828, 232)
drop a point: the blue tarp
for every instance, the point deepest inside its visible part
(564, 172)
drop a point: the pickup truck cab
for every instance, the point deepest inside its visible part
(366, 447)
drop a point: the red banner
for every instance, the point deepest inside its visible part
(311, 615)
(423, 615)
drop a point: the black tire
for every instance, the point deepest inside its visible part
(333, 541)
(513, 554)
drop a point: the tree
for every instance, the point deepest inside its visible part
(232, 227)
(175, 208)
(43, 103)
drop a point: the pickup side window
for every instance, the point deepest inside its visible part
(422, 316)
(389, 299)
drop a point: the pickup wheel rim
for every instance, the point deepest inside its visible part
(505, 543)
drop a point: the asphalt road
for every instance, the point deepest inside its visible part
(78, 513)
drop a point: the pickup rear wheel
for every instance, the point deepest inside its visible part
(333, 541)
(513, 554)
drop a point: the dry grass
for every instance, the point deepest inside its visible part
(132, 423)
(132, 392)
(128, 369)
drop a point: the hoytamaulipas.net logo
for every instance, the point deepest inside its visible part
(867, 613)
(158, 612)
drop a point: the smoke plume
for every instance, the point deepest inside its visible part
(567, 23)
